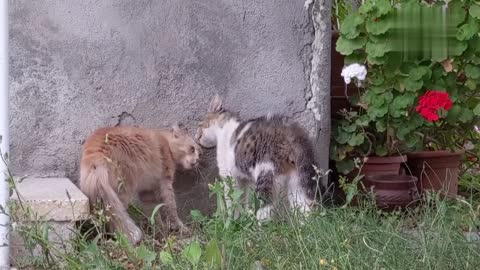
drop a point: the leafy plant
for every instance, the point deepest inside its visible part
(409, 48)
(341, 9)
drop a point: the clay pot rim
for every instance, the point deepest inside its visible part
(391, 178)
(435, 153)
(387, 159)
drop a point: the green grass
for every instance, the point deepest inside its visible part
(331, 238)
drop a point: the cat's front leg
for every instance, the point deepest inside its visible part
(166, 194)
(265, 213)
(297, 196)
(226, 175)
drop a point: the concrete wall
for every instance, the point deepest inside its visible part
(79, 65)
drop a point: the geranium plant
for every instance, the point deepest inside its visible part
(421, 89)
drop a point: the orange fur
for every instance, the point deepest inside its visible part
(120, 162)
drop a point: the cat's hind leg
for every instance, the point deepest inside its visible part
(116, 208)
(121, 221)
(265, 192)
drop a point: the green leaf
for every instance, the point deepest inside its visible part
(388, 96)
(366, 7)
(381, 150)
(418, 72)
(376, 60)
(341, 152)
(147, 256)
(349, 27)
(456, 13)
(348, 46)
(123, 242)
(393, 63)
(154, 213)
(467, 31)
(349, 128)
(472, 72)
(454, 114)
(456, 48)
(213, 254)
(412, 85)
(376, 26)
(377, 112)
(377, 49)
(192, 253)
(437, 72)
(466, 115)
(403, 101)
(236, 195)
(378, 89)
(474, 11)
(356, 139)
(345, 166)
(356, 57)
(166, 258)
(342, 137)
(377, 79)
(380, 125)
(442, 113)
(416, 121)
(196, 215)
(362, 121)
(413, 141)
(471, 84)
(382, 7)
(402, 131)
(377, 100)
(476, 110)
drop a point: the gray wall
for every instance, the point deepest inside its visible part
(79, 65)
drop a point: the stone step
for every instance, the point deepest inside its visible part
(52, 203)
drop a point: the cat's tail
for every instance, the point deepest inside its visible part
(94, 182)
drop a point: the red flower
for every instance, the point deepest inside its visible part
(431, 101)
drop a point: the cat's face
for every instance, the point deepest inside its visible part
(185, 150)
(206, 134)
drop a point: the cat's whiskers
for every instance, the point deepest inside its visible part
(199, 172)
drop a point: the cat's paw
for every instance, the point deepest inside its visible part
(181, 229)
(184, 230)
(264, 213)
(135, 236)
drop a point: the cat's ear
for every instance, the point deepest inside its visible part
(216, 104)
(179, 129)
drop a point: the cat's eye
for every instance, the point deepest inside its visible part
(192, 149)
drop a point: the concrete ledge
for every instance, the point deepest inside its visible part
(55, 199)
(47, 205)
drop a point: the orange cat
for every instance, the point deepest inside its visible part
(120, 162)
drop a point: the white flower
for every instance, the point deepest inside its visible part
(468, 145)
(354, 71)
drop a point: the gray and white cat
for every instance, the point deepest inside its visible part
(272, 154)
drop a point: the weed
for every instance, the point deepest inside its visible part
(359, 237)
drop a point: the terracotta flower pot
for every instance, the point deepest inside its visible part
(393, 190)
(373, 166)
(436, 170)
(383, 165)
